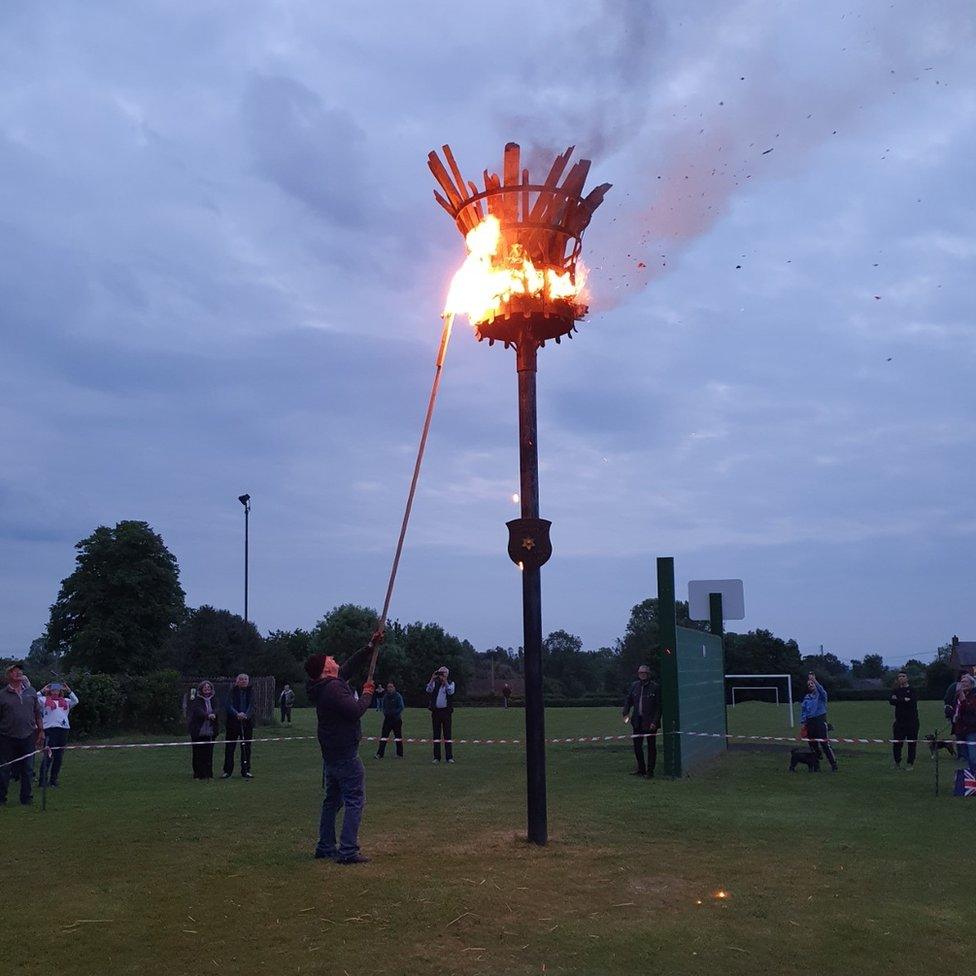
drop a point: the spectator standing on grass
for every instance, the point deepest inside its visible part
(240, 725)
(642, 710)
(392, 720)
(964, 720)
(339, 733)
(286, 700)
(506, 694)
(21, 731)
(54, 714)
(813, 718)
(203, 726)
(439, 690)
(905, 701)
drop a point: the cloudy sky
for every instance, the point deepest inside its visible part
(221, 270)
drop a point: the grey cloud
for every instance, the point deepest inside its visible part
(314, 153)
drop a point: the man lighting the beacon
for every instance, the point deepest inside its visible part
(339, 734)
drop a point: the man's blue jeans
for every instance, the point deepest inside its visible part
(345, 786)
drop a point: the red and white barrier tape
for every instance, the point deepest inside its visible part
(570, 740)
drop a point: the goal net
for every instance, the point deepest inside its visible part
(770, 689)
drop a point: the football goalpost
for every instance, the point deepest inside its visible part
(775, 689)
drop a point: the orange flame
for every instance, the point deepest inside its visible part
(487, 280)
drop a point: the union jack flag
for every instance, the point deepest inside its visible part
(965, 783)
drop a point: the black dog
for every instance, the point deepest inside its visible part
(804, 757)
(936, 744)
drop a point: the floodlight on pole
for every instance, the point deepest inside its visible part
(245, 500)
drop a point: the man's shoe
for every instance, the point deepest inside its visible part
(450, 760)
(325, 857)
(355, 859)
(909, 767)
(436, 761)
(225, 775)
(248, 775)
(639, 772)
(377, 756)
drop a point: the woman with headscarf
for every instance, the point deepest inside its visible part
(203, 725)
(54, 712)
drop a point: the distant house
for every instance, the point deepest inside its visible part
(963, 654)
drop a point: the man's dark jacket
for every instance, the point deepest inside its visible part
(240, 700)
(338, 711)
(651, 712)
(906, 706)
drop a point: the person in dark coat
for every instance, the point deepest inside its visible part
(286, 700)
(21, 731)
(642, 710)
(203, 725)
(905, 727)
(392, 720)
(240, 726)
(339, 733)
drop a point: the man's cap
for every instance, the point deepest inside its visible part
(443, 670)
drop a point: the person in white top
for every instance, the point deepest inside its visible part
(55, 709)
(439, 691)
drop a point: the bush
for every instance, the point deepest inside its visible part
(152, 702)
(101, 704)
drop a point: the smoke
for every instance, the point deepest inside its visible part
(683, 107)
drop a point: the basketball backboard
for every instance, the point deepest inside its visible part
(733, 600)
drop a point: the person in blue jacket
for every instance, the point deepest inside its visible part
(813, 718)
(392, 720)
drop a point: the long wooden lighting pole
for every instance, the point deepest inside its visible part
(435, 386)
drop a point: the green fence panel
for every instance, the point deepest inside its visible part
(701, 695)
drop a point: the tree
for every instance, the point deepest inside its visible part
(762, 652)
(572, 672)
(213, 643)
(641, 643)
(411, 653)
(42, 660)
(117, 609)
(295, 644)
(871, 667)
(343, 631)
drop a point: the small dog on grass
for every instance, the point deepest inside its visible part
(804, 757)
(936, 744)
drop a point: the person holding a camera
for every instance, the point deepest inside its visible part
(813, 718)
(439, 690)
(54, 711)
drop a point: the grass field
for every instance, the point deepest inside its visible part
(135, 868)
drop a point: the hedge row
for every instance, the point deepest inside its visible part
(112, 703)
